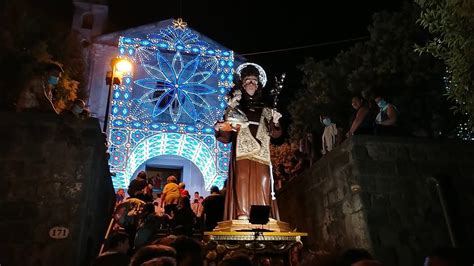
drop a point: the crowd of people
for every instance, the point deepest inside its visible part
(180, 250)
(170, 210)
(376, 117)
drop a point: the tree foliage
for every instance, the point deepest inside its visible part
(387, 62)
(35, 32)
(451, 24)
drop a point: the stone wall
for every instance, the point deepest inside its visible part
(379, 193)
(53, 172)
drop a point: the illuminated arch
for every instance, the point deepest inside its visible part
(183, 145)
(168, 103)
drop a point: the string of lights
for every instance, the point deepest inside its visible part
(305, 46)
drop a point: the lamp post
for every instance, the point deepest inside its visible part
(120, 66)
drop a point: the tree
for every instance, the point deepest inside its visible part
(388, 62)
(35, 32)
(451, 24)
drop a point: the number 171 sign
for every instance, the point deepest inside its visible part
(59, 232)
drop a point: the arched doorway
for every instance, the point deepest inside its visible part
(159, 168)
(185, 146)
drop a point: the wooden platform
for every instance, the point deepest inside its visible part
(244, 225)
(278, 247)
(255, 236)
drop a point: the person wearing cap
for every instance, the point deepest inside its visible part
(37, 95)
(249, 175)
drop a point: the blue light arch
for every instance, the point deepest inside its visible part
(169, 103)
(187, 146)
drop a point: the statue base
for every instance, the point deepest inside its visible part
(271, 244)
(244, 225)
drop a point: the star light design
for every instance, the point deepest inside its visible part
(176, 86)
(179, 24)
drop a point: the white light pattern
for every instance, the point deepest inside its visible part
(186, 146)
(138, 130)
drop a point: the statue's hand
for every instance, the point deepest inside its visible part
(218, 126)
(222, 126)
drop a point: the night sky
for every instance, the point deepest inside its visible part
(256, 26)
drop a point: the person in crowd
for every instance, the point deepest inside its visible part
(329, 134)
(170, 195)
(386, 122)
(162, 261)
(149, 225)
(77, 110)
(184, 217)
(116, 254)
(150, 252)
(119, 196)
(197, 208)
(157, 202)
(448, 256)
(196, 195)
(189, 251)
(306, 146)
(138, 188)
(224, 189)
(213, 208)
(361, 119)
(283, 175)
(37, 95)
(298, 164)
(183, 191)
(238, 259)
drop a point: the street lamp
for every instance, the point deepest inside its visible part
(119, 66)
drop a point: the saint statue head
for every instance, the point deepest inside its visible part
(252, 77)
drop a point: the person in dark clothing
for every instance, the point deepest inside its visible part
(213, 209)
(448, 256)
(362, 119)
(238, 259)
(189, 251)
(116, 255)
(148, 226)
(37, 95)
(151, 252)
(138, 188)
(184, 217)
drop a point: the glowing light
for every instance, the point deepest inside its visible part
(123, 66)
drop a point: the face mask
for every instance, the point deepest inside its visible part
(382, 104)
(327, 121)
(77, 109)
(53, 80)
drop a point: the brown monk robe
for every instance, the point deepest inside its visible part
(249, 173)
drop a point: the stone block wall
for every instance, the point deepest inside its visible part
(53, 172)
(380, 194)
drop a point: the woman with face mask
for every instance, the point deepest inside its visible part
(37, 95)
(387, 118)
(329, 135)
